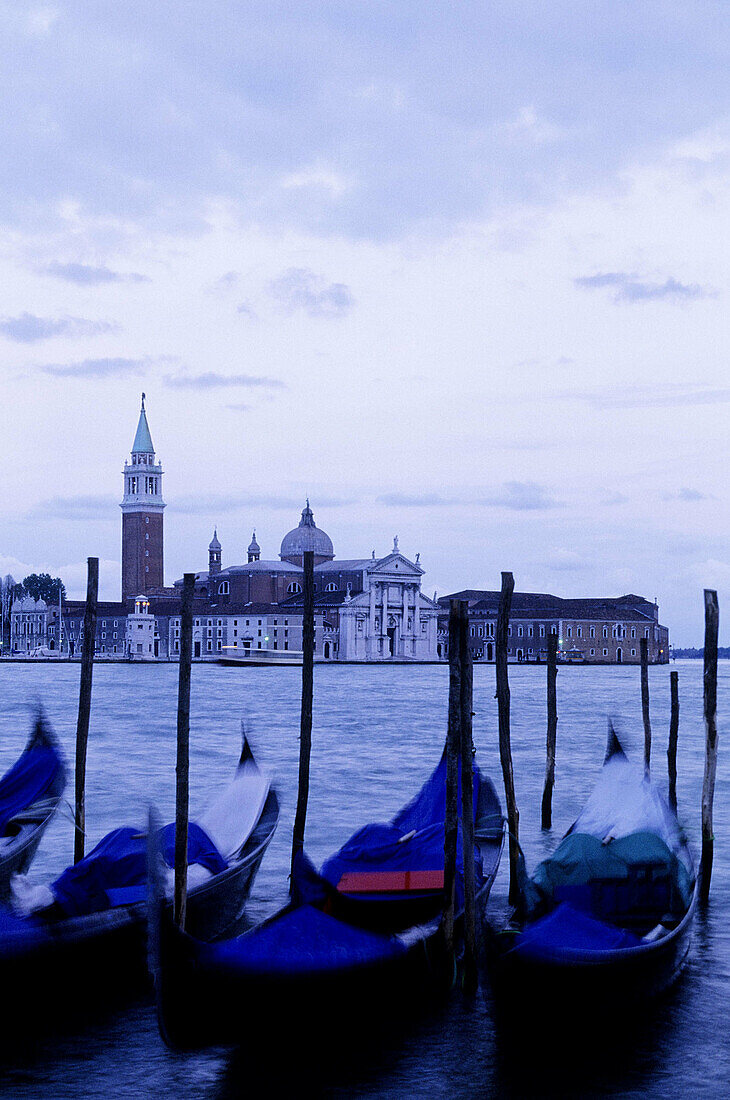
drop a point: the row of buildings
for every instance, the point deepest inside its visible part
(366, 609)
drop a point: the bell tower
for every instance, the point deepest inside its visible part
(142, 507)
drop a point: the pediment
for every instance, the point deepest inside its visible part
(396, 565)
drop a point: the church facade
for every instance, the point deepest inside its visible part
(366, 609)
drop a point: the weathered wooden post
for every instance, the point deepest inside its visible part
(467, 802)
(182, 767)
(673, 738)
(305, 734)
(451, 812)
(712, 616)
(505, 747)
(82, 723)
(552, 730)
(644, 651)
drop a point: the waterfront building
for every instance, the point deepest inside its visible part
(28, 625)
(366, 609)
(605, 630)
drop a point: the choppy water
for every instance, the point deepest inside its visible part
(377, 734)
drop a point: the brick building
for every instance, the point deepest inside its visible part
(590, 631)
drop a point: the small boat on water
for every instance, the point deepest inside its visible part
(608, 917)
(29, 797)
(89, 926)
(261, 658)
(357, 942)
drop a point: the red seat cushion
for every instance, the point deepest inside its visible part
(390, 882)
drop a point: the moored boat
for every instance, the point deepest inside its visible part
(261, 658)
(358, 940)
(88, 929)
(607, 919)
(30, 793)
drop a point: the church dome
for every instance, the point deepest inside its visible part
(307, 536)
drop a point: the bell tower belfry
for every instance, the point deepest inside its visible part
(142, 507)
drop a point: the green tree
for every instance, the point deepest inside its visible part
(42, 586)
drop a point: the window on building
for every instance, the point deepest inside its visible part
(509, 631)
(593, 653)
(569, 632)
(605, 652)
(633, 654)
(633, 631)
(605, 632)
(542, 631)
(592, 632)
(224, 588)
(294, 587)
(519, 632)
(646, 633)
(529, 633)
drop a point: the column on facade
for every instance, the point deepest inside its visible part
(384, 622)
(371, 645)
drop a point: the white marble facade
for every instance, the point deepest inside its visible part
(391, 618)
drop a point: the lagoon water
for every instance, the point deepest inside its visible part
(378, 731)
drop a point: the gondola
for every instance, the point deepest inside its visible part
(87, 931)
(358, 940)
(607, 919)
(29, 796)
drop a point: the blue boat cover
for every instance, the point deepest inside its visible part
(567, 932)
(381, 847)
(303, 941)
(21, 934)
(29, 780)
(118, 863)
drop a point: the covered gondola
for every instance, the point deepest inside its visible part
(88, 928)
(358, 939)
(29, 797)
(607, 919)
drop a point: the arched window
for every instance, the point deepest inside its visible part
(224, 588)
(331, 587)
(294, 587)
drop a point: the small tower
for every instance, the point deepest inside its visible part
(254, 550)
(142, 508)
(140, 633)
(214, 555)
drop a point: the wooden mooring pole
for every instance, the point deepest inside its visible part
(552, 730)
(712, 616)
(82, 723)
(471, 979)
(182, 766)
(644, 651)
(305, 726)
(505, 747)
(673, 738)
(451, 812)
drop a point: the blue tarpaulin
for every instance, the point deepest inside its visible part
(28, 781)
(384, 847)
(303, 941)
(567, 931)
(119, 862)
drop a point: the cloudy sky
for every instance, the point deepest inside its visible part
(458, 271)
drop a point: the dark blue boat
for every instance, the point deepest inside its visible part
(29, 796)
(360, 937)
(87, 931)
(609, 915)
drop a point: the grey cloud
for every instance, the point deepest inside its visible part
(629, 288)
(522, 496)
(649, 397)
(246, 311)
(688, 496)
(299, 288)
(27, 328)
(218, 503)
(415, 500)
(239, 407)
(211, 380)
(611, 499)
(96, 368)
(86, 275)
(84, 508)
